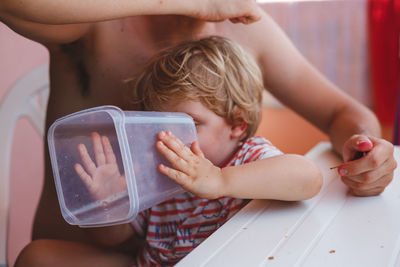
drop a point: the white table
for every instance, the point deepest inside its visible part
(332, 229)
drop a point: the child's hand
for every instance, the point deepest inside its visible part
(103, 178)
(191, 169)
(369, 175)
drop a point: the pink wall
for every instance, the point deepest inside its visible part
(18, 56)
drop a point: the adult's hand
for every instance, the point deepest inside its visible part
(371, 174)
(237, 11)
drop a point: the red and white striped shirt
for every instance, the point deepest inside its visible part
(175, 227)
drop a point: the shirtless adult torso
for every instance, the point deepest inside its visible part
(92, 72)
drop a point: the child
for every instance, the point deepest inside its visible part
(219, 85)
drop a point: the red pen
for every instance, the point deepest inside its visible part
(358, 155)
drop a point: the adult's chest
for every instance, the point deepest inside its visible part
(102, 61)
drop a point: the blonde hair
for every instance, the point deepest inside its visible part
(215, 71)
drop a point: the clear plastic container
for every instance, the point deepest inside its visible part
(132, 135)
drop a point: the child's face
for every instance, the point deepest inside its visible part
(215, 135)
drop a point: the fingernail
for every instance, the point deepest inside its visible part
(162, 134)
(342, 171)
(168, 132)
(364, 144)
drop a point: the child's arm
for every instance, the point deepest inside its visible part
(283, 177)
(103, 179)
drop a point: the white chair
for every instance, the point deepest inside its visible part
(27, 98)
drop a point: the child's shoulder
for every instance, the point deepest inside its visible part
(256, 140)
(252, 149)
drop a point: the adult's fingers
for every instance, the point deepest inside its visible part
(380, 152)
(356, 143)
(368, 189)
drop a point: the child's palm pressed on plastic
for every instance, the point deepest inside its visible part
(102, 178)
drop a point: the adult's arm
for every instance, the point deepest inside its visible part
(78, 11)
(111, 236)
(350, 125)
(38, 19)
